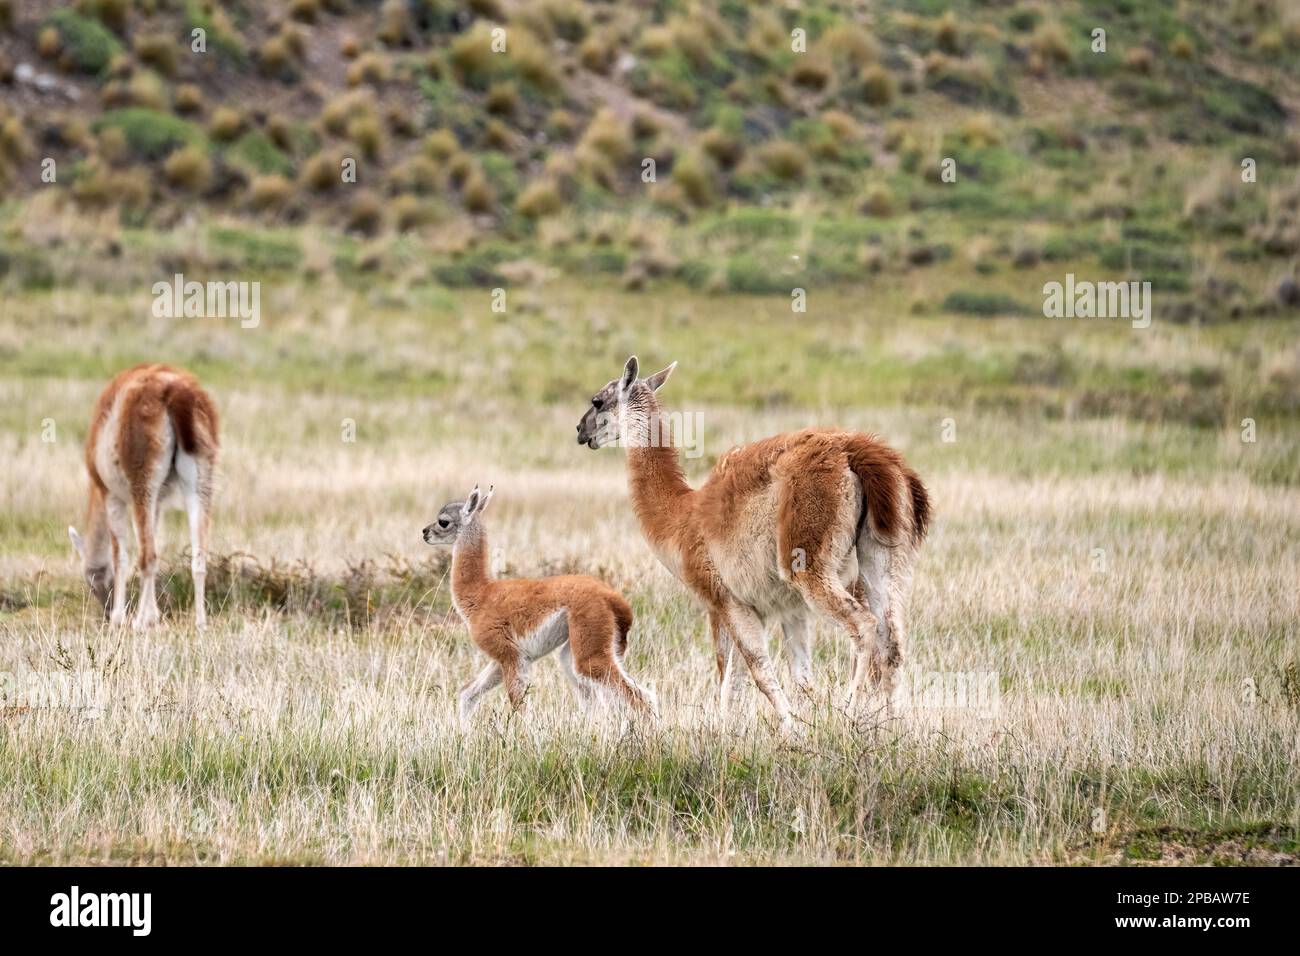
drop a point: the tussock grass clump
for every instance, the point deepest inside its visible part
(409, 213)
(503, 99)
(472, 58)
(395, 25)
(1051, 44)
(189, 99)
(540, 198)
(850, 45)
(878, 201)
(441, 145)
(158, 51)
(367, 133)
(226, 124)
(811, 71)
(270, 193)
(305, 11)
(784, 160)
(725, 148)
(597, 54)
(877, 86)
(102, 187)
(372, 69)
(189, 169)
(605, 148)
(365, 213)
(419, 175)
(696, 175)
(322, 172)
(478, 193)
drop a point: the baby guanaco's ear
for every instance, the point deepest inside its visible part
(656, 380)
(483, 503)
(471, 502)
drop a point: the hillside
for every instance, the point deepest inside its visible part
(792, 144)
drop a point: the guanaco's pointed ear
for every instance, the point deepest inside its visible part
(659, 377)
(482, 505)
(77, 543)
(467, 510)
(630, 372)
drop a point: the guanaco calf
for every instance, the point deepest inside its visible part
(153, 438)
(516, 622)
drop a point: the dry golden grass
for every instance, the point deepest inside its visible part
(1139, 626)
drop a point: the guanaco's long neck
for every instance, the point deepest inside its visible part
(469, 568)
(99, 541)
(656, 481)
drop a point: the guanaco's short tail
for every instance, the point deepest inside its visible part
(890, 490)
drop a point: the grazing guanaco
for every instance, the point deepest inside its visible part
(816, 520)
(518, 621)
(153, 439)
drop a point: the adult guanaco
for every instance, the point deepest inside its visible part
(153, 440)
(817, 520)
(518, 621)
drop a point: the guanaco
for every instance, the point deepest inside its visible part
(518, 621)
(817, 520)
(153, 439)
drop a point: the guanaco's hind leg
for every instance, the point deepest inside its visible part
(597, 638)
(825, 544)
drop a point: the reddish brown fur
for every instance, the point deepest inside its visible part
(702, 533)
(145, 397)
(502, 615)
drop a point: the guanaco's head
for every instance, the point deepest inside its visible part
(96, 567)
(456, 516)
(622, 397)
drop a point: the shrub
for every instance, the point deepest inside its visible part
(149, 134)
(371, 69)
(367, 133)
(1139, 60)
(534, 61)
(878, 202)
(502, 99)
(725, 149)
(441, 145)
(259, 154)
(189, 99)
(596, 54)
(188, 168)
(783, 159)
(322, 172)
(270, 193)
(849, 43)
(48, 43)
(90, 46)
(1181, 47)
(472, 58)
(365, 214)
(226, 124)
(1051, 44)
(497, 136)
(395, 26)
(409, 213)
(540, 198)
(696, 176)
(877, 86)
(980, 131)
(810, 71)
(304, 11)
(157, 50)
(419, 175)
(478, 194)
(982, 303)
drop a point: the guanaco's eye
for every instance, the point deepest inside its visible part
(597, 403)
(443, 522)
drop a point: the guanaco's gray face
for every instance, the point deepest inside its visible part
(455, 516)
(602, 424)
(99, 576)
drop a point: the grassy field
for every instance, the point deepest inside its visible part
(1106, 546)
